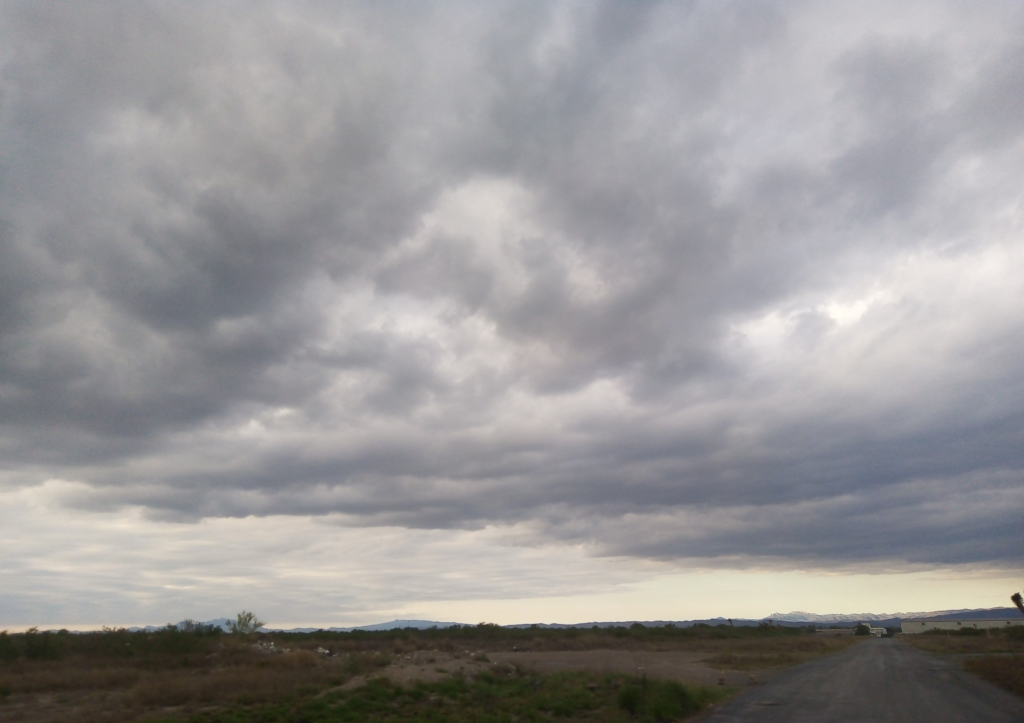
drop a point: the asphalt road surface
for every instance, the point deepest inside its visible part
(881, 681)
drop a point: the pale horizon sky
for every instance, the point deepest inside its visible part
(511, 312)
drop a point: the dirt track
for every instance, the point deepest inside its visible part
(882, 681)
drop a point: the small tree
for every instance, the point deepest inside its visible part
(245, 622)
(862, 629)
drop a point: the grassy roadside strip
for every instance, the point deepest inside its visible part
(770, 654)
(502, 697)
(995, 655)
(1006, 671)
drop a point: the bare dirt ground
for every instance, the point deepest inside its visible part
(732, 662)
(684, 666)
(428, 666)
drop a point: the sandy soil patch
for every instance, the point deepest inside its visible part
(428, 666)
(685, 666)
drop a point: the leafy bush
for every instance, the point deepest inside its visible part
(631, 699)
(670, 700)
(8, 651)
(39, 646)
(970, 631)
(659, 700)
(245, 623)
(197, 628)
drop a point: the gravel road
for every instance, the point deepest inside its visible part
(881, 681)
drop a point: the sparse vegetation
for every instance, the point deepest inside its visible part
(759, 654)
(200, 675)
(489, 699)
(976, 642)
(1005, 671)
(996, 655)
(664, 700)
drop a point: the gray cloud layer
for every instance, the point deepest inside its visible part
(682, 280)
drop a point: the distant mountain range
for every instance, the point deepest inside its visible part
(894, 619)
(792, 619)
(393, 625)
(224, 624)
(221, 623)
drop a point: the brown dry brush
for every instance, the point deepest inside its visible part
(459, 639)
(970, 641)
(760, 654)
(996, 654)
(116, 675)
(1005, 671)
(260, 681)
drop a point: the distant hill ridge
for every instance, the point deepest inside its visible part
(961, 614)
(224, 624)
(796, 618)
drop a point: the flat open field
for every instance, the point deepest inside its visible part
(996, 655)
(473, 673)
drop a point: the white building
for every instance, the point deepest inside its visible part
(922, 626)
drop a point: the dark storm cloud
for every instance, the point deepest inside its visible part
(682, 280)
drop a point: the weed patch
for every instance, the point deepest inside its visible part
(657, 700)
(1010, 640)
(759, 654)
(1006, 671)
(488, 699)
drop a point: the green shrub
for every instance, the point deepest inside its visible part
(245, 623)
(969, 631)
(670, 700)
(659, 700)
(8, 651)
(631, 699)
(1015, 632)
(39, 646)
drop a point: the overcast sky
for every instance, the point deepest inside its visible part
(557, 310)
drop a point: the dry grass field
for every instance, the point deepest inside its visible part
(997, 655)
(472, 673)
